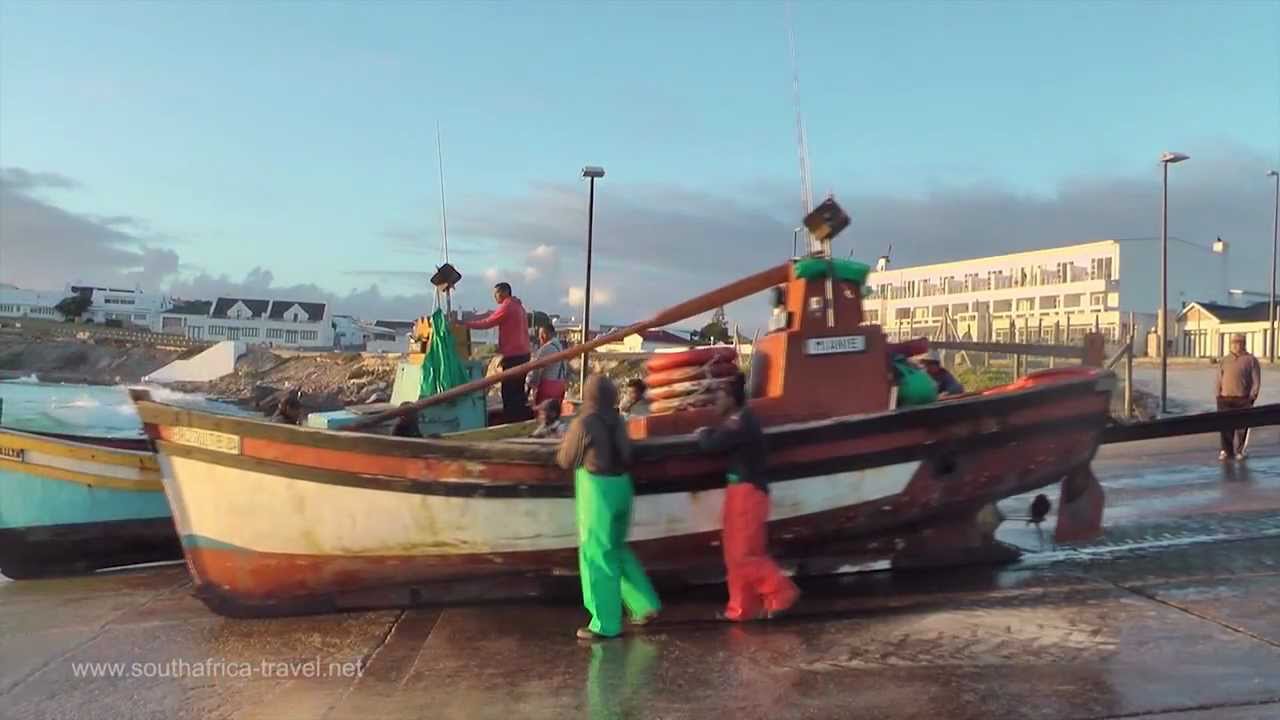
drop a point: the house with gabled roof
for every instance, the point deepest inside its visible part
(1204, 329)
(262, 321)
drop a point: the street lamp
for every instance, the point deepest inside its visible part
(1165, 160)
(1275, 240)
(591, 172)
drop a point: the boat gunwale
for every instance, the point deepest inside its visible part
(699, 480)
(87, 451)
(779, 436)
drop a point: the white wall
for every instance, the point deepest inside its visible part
(209, 365)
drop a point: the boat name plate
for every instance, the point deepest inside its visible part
(8, 453)
(206, 439)
(833, 345)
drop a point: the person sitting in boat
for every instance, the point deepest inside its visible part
(634, 404)
(547, 383)
(513, 347)
(550, 423)
(757, 587)
(948, 385)
(597, 449)
(290, 411)
(407, 424)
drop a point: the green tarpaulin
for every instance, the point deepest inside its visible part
(847, 270)
(441, 369)
(915, 387)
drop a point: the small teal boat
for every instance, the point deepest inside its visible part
(71, 504)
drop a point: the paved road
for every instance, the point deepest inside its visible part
(1175, 615)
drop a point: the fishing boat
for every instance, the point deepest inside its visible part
(278, 519)
(72, 504)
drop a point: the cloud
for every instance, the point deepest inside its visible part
(599, 296)
(531, 274)
(658, 245)
(542, 252)
(491, 274)
(44, 246)
(22, 180)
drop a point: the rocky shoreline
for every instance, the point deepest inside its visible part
(326, 381)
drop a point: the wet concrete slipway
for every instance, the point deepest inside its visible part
(1174, 615)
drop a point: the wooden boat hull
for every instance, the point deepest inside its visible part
(69, 507)
(277, 520)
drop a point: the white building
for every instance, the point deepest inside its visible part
(647, 341)
(18, 303)
(349, 333)
(1030, 296)
(388, 336)
(278, 323)
(119, 305)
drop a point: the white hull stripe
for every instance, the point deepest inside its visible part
(266, 513)
(89, 467)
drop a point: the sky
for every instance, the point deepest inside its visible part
(290, 149)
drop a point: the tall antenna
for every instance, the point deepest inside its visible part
(444, 219)
(806, 187)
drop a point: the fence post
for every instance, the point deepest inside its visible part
(1095, 350)
(1128, 376)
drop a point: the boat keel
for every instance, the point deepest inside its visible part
(969, 540)
(1080, 505)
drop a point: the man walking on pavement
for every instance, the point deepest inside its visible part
(1239, 380)
(513, 345)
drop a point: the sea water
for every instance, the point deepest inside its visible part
(98, 410)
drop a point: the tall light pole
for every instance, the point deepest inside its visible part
(591, 172)
(1165, 160)
(1275, 241)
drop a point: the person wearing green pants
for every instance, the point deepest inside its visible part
(597, 449)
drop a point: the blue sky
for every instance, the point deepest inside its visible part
(299, 137)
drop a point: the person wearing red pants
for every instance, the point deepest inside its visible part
(757, 587)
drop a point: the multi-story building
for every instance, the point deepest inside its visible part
(1041, 295)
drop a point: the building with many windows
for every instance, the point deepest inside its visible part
(119, 305)
(1042, 295)
(18, 303)
(280, 323)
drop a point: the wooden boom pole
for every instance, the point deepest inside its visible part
(703, 303)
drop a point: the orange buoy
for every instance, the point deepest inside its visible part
(693, 387)
(718, 369)
(697, 356)
(689, 402)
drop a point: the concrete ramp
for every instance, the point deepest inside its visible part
(209, 365)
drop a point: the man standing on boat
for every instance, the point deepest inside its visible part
(513, 345)
(598, 451)
(1239, 381)
(757, 587)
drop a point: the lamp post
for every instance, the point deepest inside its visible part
(591, 172)
(1275, 241)
(1165, 160)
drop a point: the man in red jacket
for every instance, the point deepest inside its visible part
(513, 346)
